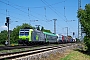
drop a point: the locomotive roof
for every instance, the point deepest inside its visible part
(24, 29)
(49, 33)
(37, 30)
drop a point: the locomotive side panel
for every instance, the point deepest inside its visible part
(38, 36)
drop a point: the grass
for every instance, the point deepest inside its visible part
(76, 55)
(68, 55)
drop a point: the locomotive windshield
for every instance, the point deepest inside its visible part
(21, 33)
(24, 32)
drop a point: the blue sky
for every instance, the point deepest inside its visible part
(27, 11)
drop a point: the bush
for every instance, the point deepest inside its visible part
(77, 40)
(87, 42)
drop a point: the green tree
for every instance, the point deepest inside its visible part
(77, 40)
(45, 30)
(25, 25)
(3, 36)
(84, 16)
(15, 34)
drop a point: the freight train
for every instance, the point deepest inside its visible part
(33, 36)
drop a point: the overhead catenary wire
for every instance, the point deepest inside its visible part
(13, 17)
(18, 9)
(45, 6)
(39, 6)
(51, 8)
(22, 20)
(45, 13)
(24, 11)
(28, 14)
(7, 10)
(15, 8)
(64, 11)
(29, 10)
(55, 11)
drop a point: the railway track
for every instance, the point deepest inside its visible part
(19, 47)
(30, 52)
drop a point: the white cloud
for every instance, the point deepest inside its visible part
(3, 28)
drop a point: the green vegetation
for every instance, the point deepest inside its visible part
(14, 34)
(77, 40)
(76, 55)
(3, 36)
(84, 16)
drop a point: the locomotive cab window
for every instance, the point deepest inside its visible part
(26, 33)
(21, 33)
